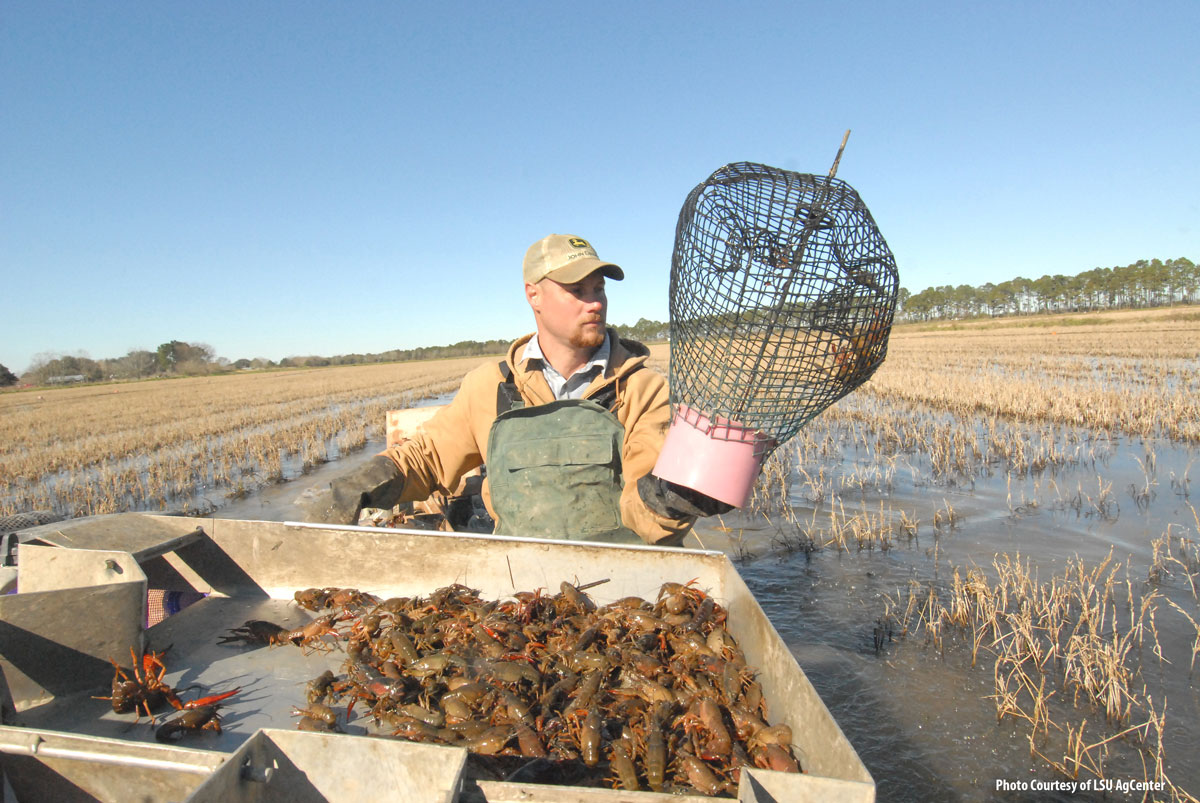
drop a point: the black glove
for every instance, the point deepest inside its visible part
(376, 483)
(675, 501)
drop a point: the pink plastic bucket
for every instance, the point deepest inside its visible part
(719, 459)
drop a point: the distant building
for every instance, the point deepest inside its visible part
(65, 380)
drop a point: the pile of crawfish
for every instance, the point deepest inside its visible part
(635, 694)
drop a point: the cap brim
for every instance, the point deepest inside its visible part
(580, 268)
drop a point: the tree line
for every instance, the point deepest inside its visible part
(1145, 283)
(177, 358)
(174, 358)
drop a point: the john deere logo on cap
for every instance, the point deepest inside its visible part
(579, 242)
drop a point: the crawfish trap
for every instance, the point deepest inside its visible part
(782, 297)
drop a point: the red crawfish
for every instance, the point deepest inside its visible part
(146, 689)
(139, 689)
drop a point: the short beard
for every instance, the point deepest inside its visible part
(587, 339)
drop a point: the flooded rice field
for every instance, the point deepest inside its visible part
(191, 444)
(984, 634)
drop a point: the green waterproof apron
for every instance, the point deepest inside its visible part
(555, 472)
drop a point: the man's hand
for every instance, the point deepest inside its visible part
(376, 483)
(675, 501)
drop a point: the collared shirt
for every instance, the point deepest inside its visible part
(569, 387)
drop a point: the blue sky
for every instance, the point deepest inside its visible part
(280, 179)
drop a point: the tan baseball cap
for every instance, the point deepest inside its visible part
(565, 258)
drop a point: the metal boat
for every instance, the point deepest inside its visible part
(80, 603)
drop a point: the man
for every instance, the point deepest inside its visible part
(569, 425)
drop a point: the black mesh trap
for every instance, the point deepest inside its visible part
(782, 297)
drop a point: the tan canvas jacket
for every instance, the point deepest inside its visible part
(455, 440)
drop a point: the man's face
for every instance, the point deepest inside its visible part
(570, 313)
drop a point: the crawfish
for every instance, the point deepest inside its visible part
(529, 742)
(316, 725)
(485, 640)
(640, 662)
(705, 716)
(454, 595)
(256, 631)
(644, 621)
(410, 728)
(363, 682)
(394, 605)
(622, 764)
(628, 603)
(588, 737)
(513, 708)
(774, 757)
(349, 598)
(721, 643)
(586, 690)
(677, 597)
(737, 759)
(204, 717)
(690, 644)
(435, 718)
(400, 646)
(312, 599)
(513, 672)
(655, 760)
(320, 687)
(588, 661)
(700, 775)
(531, 605)
(366, 628)
(467, 729)
(695, 672)
(753, 699)
(649, 690)
(468, 691)
(586, 638)
(745, 722)
(575, 598)
(455, 708)
(141, 690)
(318, 711)
(775, 734)
(706, 611)
(430, 665)
(732, 678)
(560, 689)
(492, 740)
(314, 632)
